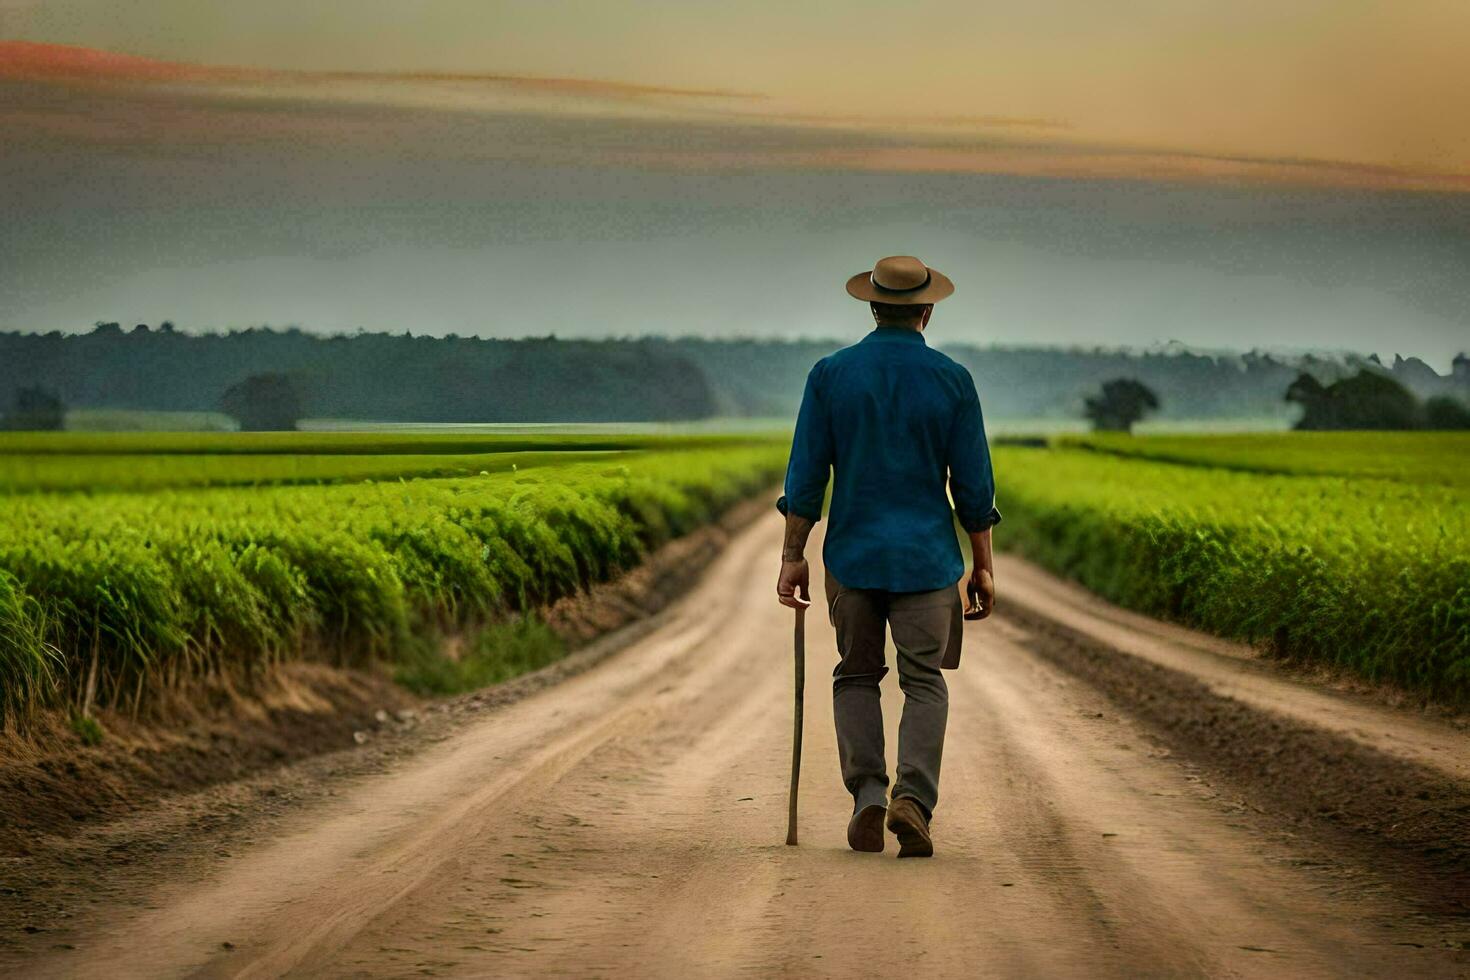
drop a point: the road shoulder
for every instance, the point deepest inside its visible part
(1391, 783)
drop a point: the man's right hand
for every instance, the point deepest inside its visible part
(981, 590)
(791, 585)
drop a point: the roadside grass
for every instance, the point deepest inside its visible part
(88, 729)
(27, 660)
(495, 653)
(1367, 574)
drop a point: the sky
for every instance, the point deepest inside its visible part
(1224, 174)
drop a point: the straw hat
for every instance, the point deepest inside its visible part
(900, 280)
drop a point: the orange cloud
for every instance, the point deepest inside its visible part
(159, 106)
(31, 61)
(892, 122)
(1083, 161)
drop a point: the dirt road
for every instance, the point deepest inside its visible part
(629, 822)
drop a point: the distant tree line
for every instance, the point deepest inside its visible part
(368, 376)
(400, 377)
(765, 377)
(1368, 400)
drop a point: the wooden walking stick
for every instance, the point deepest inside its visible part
(796, 733)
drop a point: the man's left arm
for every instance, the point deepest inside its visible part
(972, 487)
(807, 472)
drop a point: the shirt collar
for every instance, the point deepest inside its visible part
(898, 334)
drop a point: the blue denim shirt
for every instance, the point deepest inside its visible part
(893, 420)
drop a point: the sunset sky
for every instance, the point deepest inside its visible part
(1223, 173)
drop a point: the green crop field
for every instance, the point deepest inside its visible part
(496, 439)
(108, 595)
(133, 561)
(1241, 536)
(100, 471)
(1409, 457)
(91, 462)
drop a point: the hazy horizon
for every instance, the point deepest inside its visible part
(1036, 260)
(860, 326)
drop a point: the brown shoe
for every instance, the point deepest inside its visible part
(865, 829)
(907, 821)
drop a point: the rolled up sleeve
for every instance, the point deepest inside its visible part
(810, 463)
(971, 479)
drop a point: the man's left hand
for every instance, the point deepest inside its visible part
(981, 591)
(791, 586)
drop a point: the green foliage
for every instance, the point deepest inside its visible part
(497, 653)
(181, 583)
(88, 729)
(1368, 574)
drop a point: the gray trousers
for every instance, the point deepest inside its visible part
(924, 624)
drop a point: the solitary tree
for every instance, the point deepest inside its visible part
(35, 409)
(1121, 403)
(264, 403)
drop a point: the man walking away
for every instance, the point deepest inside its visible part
(894, 421)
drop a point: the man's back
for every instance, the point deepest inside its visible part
(893, 418)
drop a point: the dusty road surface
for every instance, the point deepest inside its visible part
(630, 822)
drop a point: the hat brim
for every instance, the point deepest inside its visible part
(861, 287)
